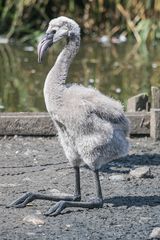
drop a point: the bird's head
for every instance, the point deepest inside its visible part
(61, 27)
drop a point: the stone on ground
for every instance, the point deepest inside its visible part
(33, 219)
(141, 172)
(155, 234)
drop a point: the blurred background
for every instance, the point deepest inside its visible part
(119, 54)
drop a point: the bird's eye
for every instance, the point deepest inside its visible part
(53, 31)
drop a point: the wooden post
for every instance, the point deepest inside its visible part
(155, 93)
(155, 114)
(155, 124)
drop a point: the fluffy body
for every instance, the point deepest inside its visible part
(92, 127)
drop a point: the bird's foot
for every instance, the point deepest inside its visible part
(22, 201)
(29, 197)
(61, 205)
(56, 209)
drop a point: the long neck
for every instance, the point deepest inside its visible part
(55, 81)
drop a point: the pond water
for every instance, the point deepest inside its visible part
(120, 71)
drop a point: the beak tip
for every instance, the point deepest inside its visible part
(40, 58)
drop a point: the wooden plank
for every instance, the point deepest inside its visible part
(26, 124)
(155, 124)
(40, 124)
(140, 123)
(155, 95)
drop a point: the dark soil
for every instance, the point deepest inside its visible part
(132, 205)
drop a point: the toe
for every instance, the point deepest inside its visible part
(56, 209)
(21, 202)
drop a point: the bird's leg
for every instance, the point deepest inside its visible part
(99, 196)
(93, 203)
(29, 196)
(77, 191)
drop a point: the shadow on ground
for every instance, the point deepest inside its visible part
(131, 161)
(137, 201)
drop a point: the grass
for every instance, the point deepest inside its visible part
(26, 19)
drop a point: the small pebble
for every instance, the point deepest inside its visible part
(27, 179)
(30, 234)
(117, 178)
(155, 233)
(67, 227)
(141, 172)
(33, 219)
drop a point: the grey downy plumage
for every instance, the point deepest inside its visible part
(92, 127)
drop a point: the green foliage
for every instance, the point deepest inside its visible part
(22, 18)
(144, 28)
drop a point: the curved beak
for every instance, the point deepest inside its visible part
(43, 45)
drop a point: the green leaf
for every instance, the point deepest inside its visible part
(144, 28)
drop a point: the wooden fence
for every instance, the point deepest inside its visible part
(144, 115)
(151, 113)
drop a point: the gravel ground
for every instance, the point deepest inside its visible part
(132, 205)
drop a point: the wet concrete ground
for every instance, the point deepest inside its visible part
(132, 205)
